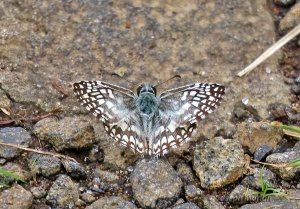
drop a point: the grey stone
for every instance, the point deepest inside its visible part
(155, 183)
(88, 197)
(16, 136)
(63, 192)
(95, 154)
(15, 169)
(74, 169)
(38, 192)
(293, 194)
(211, 201)
(16, 197)
(4, 101)
(261, 152)
(284, 3)
(291, 19)
(67, 133)
(242, 195)
(284, 172)
(255, 134)
(179, 202)
(115, 155)
(242, 112)
(46, 165)
(274, 204)
(295, 89)
(112, 203)
(187, 205)
(258, 177)
(2, 161)
(218, 162)
(185, 172)
(297, 80)
(194, 194)
(297, 146)
(107, 176)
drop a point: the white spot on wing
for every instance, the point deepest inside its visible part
(125, 138)
(196, 99)
(132, 139)
(172, 126)
(164, 140)
(85, 96)
(171, 138)
(193, 93)
(195, 103)
(109, 104)
(211, 98)
(186, 106)
(187, 117)
(184, 95)
(100, 101)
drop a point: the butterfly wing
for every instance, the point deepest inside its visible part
(179, 111)
(115, 107)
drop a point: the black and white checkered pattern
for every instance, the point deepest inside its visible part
(147, 123)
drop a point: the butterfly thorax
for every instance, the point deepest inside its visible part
(147, 102)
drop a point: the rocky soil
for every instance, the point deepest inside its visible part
(46, 46)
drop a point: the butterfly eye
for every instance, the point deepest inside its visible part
(139, 90)
(153, 90)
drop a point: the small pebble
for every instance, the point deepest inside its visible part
(284, 3)
(262, 152)
(38, 192)
(88, 197)
(297, 80)
(295, 89)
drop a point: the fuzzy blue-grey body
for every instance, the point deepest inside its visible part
(145, 122)
(147, 103)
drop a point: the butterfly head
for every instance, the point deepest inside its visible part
(146, 88)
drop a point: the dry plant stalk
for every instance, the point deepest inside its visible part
(293, 33)
(284, 165)
(38, 151)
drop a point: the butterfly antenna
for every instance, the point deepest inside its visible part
(129, 81)
(165, 81)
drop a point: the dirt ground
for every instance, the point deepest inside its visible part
(46, 46)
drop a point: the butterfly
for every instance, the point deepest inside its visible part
(145, 122)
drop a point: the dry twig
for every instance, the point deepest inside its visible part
(284, 165)
(38, 151)
(293, 33)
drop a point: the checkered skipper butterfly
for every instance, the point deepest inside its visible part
(145, 122)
